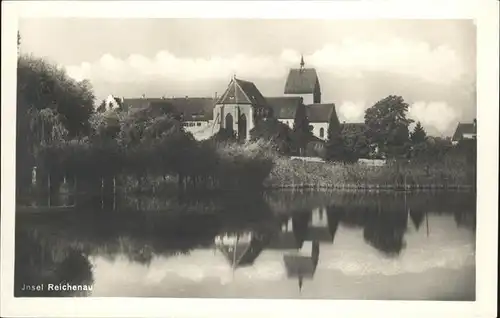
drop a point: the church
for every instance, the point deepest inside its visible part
(242, 105)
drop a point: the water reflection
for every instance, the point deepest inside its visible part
(233, 245)
(45, 267)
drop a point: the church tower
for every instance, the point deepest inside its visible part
(303, 82)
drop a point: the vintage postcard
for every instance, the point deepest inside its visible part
(225, 159)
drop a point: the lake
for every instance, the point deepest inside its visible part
(309, 245)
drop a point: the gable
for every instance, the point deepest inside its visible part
(234, 95)
(242, 92)
(302, 81)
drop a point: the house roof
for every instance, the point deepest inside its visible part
(301, 81)
(189, 108)
(284, 107)
(242, 92)
(355, 128)
(463, 128)
(319, 113)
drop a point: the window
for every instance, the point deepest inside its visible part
(321, 132)
(198, 124)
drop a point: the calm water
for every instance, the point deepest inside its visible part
(271, 245)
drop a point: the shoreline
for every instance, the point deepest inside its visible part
(354, 187)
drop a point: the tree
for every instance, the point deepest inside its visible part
(355, 142)
(387, 126)
(43, 85)
(335, 148)
(102, 107)
(418, 135)
(274, 131)
(301, 132)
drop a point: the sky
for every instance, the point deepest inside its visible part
(430, 63)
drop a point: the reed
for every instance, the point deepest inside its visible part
(452, 173)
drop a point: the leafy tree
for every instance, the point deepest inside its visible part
(274, 131)
(418, 135)
(387, 126)
(355, 142)
(302, 131)
(43, 85)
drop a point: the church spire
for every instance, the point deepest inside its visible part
(302, 62)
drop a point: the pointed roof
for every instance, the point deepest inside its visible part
(241, 253)
(302, 266)
(242, 92)
(462, 129)
(301, 81)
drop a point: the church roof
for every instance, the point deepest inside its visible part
(301, 81)
(304, 266)
(242, 92)
(298, 265)
(242, 253)
(319, 113)
(284, 107)
(188, 108)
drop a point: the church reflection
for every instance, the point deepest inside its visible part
(58, 249)
(298, 237)
(240, 249)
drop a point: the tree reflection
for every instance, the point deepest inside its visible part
(385, 230)
(417, 217)
(334, 215)
(300, 224)
(39, 262)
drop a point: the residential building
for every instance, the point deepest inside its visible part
(464, 131)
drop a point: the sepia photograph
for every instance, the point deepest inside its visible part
(246, 158)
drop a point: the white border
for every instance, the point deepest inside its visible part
(484, 11)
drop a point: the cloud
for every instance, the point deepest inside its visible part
(352, 112)
(348, 58)
(438, 117)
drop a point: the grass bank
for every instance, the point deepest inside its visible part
(452, 173)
